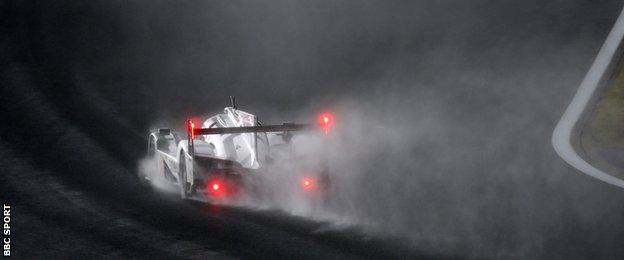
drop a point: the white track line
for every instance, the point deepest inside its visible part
(563, 130)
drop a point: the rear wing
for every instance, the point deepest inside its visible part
(286, 128)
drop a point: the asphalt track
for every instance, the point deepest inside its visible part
(68, 161)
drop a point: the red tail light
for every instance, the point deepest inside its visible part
(191, 127)
(216, 187)
(308, 183)
(326, 120)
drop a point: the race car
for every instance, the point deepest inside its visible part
(214, 157)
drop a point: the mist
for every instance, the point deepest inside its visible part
(444, 109)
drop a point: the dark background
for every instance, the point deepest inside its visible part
(446, 110)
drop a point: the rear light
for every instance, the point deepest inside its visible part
(191, 127)
(308, 183)
(326, 120)
(216, 188)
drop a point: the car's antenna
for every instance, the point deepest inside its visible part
(233, 102)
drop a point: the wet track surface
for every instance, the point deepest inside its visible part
(74, 122)
(60, 221)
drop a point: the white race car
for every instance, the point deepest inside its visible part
(213, 158)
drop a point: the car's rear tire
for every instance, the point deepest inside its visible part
(182, 177)
(146, 175)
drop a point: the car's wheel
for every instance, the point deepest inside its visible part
(146, 174)
(186, 188)
(182, 177)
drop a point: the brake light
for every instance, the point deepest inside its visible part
(326, 120)
(216, 187)
(308, 183)
(191, 127)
